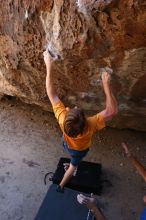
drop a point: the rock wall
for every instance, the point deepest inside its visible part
(88, 35)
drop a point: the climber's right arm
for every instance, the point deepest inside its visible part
(49, 83)
(111, 107)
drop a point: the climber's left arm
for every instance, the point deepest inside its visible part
(53, 97)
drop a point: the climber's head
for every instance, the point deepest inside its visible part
(74, 122)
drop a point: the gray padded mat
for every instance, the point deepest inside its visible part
(62, 206)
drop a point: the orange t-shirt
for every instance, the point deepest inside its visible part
(81, 142)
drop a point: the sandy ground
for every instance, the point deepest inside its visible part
(30, 147)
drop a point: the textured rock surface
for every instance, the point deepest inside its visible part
(88, 35)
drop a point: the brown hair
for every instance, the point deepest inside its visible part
(74, 122)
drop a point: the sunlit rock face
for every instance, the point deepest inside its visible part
(88, 35)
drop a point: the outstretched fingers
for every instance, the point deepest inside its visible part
(126, 150)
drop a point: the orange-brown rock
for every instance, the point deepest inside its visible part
(88, 35)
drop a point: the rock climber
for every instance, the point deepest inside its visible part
(77, 128)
